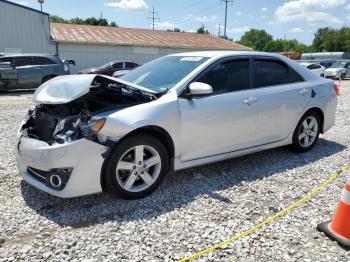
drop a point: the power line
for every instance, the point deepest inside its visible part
(153, 18)
(226, 2)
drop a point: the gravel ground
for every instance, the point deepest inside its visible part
(192, 210)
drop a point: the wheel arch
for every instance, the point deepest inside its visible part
(157, 132)
(48, 76)
(320, 113)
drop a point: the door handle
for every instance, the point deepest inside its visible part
(304, 92)
(37, 68)
(250, 100)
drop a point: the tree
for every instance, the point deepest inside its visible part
(173, 30)
(202, 30)
(256, 39)
(274, 46)
(80, 21)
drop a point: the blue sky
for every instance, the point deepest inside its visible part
(291, 19)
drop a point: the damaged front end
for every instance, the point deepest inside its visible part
(59, 147)
(63, 118)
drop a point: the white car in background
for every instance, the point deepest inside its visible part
(339, 70)
(315, 68)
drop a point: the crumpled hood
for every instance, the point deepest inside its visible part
(65, 89)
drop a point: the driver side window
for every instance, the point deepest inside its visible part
(228, 76)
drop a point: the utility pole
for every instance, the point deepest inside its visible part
(153, 17)
(219, 34)
(226, 3)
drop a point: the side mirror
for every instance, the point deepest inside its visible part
(200, 89)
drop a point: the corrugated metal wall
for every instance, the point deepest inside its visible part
(23, 29)
(91, 55)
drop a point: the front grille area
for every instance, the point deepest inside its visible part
(38, 174)
(55, 179)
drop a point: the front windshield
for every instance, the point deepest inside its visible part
(337, 65)
(164, 73)
(106, 65)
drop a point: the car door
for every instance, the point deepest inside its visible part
(224, 121)
(29, 75)
(8, 74)
(347, 66)
(282, 96)
(45, 68)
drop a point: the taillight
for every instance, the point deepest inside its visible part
(336, 86)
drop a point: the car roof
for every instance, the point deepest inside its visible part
(29, 54)
(217, 54)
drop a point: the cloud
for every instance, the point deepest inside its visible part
(263, 16)
(132, 5)
(237, 30)
(264, 9)
(308, 10)
(348, 18)
(239, 13)
(165, 25)
(201, 19)
(22, 3)
(297, 30)
(347, 7)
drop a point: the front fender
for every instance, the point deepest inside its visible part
(163, 113)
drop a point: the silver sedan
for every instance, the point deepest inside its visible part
(93, 133)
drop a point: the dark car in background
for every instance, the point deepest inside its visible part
(110, 68)
(23, 71)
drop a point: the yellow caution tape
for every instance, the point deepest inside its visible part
(267, 221)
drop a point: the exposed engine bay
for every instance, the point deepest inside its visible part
(61, 123)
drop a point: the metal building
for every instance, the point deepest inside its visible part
(23, 29)
(92, 46)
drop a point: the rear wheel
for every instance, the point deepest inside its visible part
(136, 167)
(342, 77)
(307, 132)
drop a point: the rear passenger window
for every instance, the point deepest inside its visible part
(118, 65)
(23, 61)
(129, 65)
(5, 59)
(274, 72)
(41, 61)
(228, 76)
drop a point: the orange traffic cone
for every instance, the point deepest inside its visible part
(339, 228)
(336, 87)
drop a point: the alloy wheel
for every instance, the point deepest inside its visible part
(138, 168)
(308, 131)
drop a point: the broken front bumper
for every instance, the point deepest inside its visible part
(81, 160)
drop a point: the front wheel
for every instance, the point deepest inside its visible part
(307, 132)
(136, 167)
(342, 77)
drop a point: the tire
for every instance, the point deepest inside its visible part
(125, 176)
(322, 75)
(307, 132)
(342, 77)
(46, 78)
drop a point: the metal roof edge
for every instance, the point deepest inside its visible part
(240, 48)
(25, 7)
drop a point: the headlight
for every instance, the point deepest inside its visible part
(96, 125)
